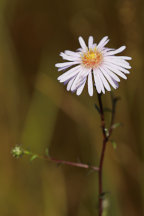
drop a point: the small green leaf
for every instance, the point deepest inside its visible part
(114, 126)
(33, 157)
(114, 144)
(26, 152)
(97, 108)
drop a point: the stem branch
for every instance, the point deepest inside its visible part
(74, 164)
(61, 162)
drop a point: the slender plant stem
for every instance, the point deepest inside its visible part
(105, 139)
(100, 177)
(62, 162)
(106, 135)
(80, 165)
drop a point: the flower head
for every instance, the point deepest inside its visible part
(93, 62)
(17, 151)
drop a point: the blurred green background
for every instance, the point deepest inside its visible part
(37, 112)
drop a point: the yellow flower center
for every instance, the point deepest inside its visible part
(92, 58)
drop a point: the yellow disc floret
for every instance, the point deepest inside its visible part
(92, 58)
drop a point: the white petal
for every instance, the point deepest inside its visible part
(104, 81)
(69, 58)
(116, 83)
(103, 42)
(124, 70)
(80, 50)
(120, 68)
(100, 81)
(117, 59)
(78, 80)
(108, 49)
(66, 82)
(126, 57)
(117, 62)
(62, 68)
(67, 78)
(113, 75)
(97, 83)
(119, 50)
(90, 42)
(94, 46)
(90, 84)
(70, 84)
(80, 89)
(121, 57)
(115, 70)
(104, 51)
(70, 73)
(71, 53)
(105, 73)
(82, 43)
(66, 64)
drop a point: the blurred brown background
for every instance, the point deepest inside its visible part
(37, 112)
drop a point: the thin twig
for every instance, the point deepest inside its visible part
(74, 164)
(105, 140)
(62, 162)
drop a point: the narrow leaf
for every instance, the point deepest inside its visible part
(114, 126)
(114, 144)
(33, 157)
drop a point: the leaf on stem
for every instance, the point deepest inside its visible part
(114, 144)
(114, 126)
(33, 157)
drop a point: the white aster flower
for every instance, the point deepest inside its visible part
(95, 62)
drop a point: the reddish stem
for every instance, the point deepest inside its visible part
(70, 163)
(100, 177)
(105, 139)
(74, 164)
